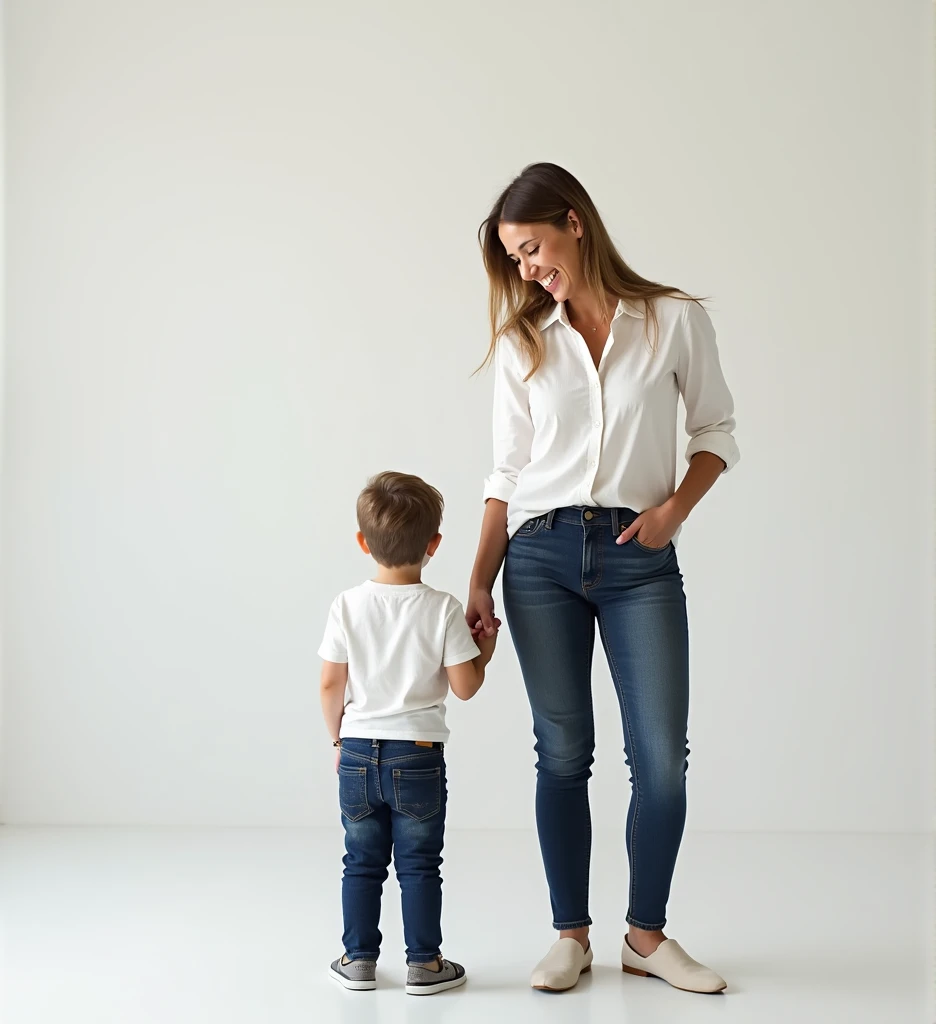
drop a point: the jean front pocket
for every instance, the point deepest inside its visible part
(418, 791)
(649, 550)
(352, 792)
(531, 527)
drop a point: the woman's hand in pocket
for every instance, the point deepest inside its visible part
(654, 528)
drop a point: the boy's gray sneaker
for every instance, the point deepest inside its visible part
(357, 975)
(420, 981)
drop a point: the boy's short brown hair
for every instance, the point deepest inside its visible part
(399, 514)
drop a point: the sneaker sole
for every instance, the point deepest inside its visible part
(431, 989)
(352, 986)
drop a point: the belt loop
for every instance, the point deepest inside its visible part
(550, 516)
(615, 528)
(375, 743)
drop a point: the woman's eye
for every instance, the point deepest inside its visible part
(533, 252)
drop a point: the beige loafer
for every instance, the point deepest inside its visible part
(562, 966)
(674, 965)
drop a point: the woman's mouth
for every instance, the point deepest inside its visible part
(551, 281)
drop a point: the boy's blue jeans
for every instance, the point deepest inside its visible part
(392, 795)
(564, 576)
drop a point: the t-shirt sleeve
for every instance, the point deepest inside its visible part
(334, 644)
(459, 646)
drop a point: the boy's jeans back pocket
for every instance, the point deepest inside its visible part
(418, 791)
(352, 792)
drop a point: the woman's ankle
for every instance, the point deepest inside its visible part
(644, 942)
(581, 934)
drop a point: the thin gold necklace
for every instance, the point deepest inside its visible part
(604, 320)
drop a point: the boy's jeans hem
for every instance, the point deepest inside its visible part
(359, 955)
(422, 958)
(568, 926)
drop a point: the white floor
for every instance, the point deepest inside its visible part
(175, 926)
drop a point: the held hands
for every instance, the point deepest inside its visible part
(486, 644)
(479, 614)
(655, 527)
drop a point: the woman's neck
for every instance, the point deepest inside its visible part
(587, 309)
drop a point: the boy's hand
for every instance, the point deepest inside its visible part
(486, 644)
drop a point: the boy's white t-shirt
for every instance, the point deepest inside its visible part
(397, 642)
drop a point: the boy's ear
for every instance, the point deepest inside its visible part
(434, 544)
(362, 542)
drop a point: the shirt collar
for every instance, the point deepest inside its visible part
(558, 312)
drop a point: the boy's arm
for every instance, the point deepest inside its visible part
(466, 679)
(332, 692)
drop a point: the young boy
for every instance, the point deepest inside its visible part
(392, 649)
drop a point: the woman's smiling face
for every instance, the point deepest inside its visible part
(546, 254)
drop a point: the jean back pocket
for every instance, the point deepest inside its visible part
(352, 792)
(418, 791)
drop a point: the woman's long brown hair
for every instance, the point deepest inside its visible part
(544, 194)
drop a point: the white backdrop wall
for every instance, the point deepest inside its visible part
(243, 276)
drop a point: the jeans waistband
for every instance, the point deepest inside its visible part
(582, 515)
(360, 743)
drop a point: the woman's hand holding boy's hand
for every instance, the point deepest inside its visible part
(486, 644)
(479, 614)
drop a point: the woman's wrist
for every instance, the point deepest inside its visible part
(678, 508)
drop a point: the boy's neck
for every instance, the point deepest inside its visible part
(399, 576)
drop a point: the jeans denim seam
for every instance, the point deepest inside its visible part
(625, 717)
(591, 708)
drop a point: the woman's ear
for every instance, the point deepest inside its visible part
(575, 224)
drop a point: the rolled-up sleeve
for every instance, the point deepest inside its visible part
(513, 427)
(710, 419)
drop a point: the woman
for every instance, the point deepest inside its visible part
(581, 510)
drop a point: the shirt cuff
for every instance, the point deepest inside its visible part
(329, 654)
(719, 443)
(500, 487)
